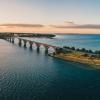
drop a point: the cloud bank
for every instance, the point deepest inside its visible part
(76, 26)
(67, 27)
(23, 25)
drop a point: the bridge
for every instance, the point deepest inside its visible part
(25, 41)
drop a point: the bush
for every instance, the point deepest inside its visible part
(72, 48)
(97, 52)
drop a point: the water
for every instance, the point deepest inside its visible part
(32, 75)
(79, 41)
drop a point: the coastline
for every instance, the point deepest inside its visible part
(92, 63)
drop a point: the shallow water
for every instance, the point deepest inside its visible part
(32, 75)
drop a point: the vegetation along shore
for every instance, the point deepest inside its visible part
(73, 54)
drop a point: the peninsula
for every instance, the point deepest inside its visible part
(78, 55)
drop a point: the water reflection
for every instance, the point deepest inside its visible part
(31, 49)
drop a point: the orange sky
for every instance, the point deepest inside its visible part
(68, 27)
(50, 16)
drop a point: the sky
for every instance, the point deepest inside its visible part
(50, 16)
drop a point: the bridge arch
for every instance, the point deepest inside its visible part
(47, 47)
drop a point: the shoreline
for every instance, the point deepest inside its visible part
(91, 63)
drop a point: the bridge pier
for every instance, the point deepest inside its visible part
(31, 43)
(20, 42)
(38, 46)
(25, 41)
(12, 40)
(46, 49)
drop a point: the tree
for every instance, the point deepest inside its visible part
(90, 51)
(73, 48)
(66, 47)
(78, 49)
(97, 53)
(83, 50)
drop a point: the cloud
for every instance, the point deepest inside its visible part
(76, 26)
(23, 25)
(67, 27)
(69, 23)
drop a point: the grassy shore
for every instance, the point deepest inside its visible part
(79, 57)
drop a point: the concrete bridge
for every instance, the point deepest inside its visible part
(25, 41)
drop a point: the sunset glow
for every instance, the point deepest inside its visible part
(50, 16)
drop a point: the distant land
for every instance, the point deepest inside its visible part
(51, 33)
